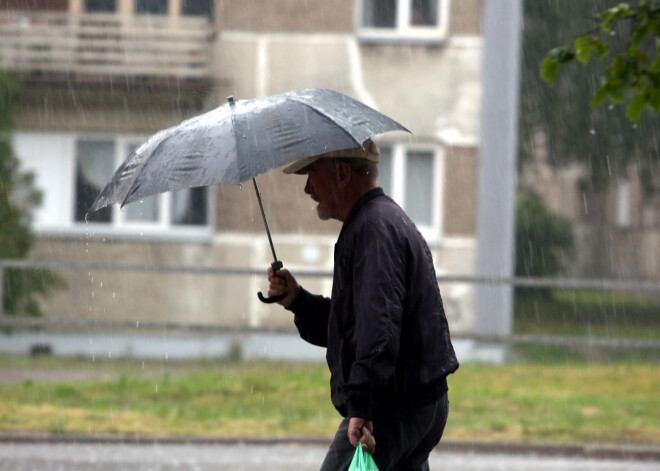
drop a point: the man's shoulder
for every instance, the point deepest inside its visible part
(382, 216)
(386, 209)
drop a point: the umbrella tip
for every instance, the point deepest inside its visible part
(230, 99)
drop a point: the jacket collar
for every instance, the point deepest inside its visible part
(368, 196)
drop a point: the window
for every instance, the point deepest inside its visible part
(412, 176)
(102, 6)
(403, 19)
(153, 7)
(95, 162)
(197, 8)
(623, 204)
(379, 13)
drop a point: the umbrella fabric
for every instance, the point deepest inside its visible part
(242, 139)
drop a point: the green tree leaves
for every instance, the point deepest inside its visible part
(586, 45)
(18, 197)
(632, 76)
(555, 58)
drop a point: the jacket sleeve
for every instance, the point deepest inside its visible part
(378, 292)
(311, 317)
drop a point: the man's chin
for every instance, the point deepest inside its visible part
(322, 213)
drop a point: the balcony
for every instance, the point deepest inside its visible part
(105, 47)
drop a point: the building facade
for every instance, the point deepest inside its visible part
(99, 76)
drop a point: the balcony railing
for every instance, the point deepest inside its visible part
(105, 45)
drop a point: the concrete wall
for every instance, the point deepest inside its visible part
(200, 299)
(329, 16)
(460, 199)
(229, 300)
(285, 16)
(88, 107)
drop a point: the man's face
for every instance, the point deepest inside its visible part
(322, 186)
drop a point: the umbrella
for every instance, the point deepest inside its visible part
(242, 139)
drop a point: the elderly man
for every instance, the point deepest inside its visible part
(384, 327)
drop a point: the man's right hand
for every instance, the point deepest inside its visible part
(282, 282)
(361, 430)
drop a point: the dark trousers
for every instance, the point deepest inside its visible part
(404, 439)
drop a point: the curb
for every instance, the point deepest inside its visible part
(612, 452)
(593, 451)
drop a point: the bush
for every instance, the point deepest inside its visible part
(544, 240)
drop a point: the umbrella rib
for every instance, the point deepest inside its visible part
(138, 173)
(329, 118)
(120, 200)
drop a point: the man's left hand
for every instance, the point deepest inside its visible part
(361, 430)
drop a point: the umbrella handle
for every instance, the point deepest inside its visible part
(276, 265)
(271, 300)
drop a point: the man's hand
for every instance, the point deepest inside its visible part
(361, 430)
(283, 282)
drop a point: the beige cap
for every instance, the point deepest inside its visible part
(368, 151)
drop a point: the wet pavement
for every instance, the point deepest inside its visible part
(54, 456)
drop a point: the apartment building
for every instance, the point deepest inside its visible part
(99, 76)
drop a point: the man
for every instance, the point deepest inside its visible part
(384, 327)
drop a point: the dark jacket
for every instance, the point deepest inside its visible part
(384, 327)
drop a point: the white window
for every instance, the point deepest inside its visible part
(412, 175)
(96, 161)
(71, 169)
(152, 7)
(424, 20)
(100, 6)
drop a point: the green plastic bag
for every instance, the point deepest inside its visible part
(362, 461)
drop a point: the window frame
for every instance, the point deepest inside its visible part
(163, 228)
(399, 155)
(403, 31)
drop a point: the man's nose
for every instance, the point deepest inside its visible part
(308, 187)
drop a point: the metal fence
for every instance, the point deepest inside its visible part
(18, 323)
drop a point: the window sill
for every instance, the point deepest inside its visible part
(403, 39)
(97, 232)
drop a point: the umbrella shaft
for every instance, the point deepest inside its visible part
(263, 215)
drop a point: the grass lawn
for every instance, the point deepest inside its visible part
(554, 402)
(588, 313)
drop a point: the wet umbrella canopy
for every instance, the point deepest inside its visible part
(242, 139)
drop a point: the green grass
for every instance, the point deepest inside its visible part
(551, 402)
(198, 399)
(580, 403)
(588, 313)
(583, 353)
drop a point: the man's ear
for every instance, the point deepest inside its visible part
(344, 173)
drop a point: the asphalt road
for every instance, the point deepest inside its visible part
(54, 456)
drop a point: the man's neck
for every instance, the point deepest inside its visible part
(353, 195)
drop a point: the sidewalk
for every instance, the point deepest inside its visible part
(610, 452)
